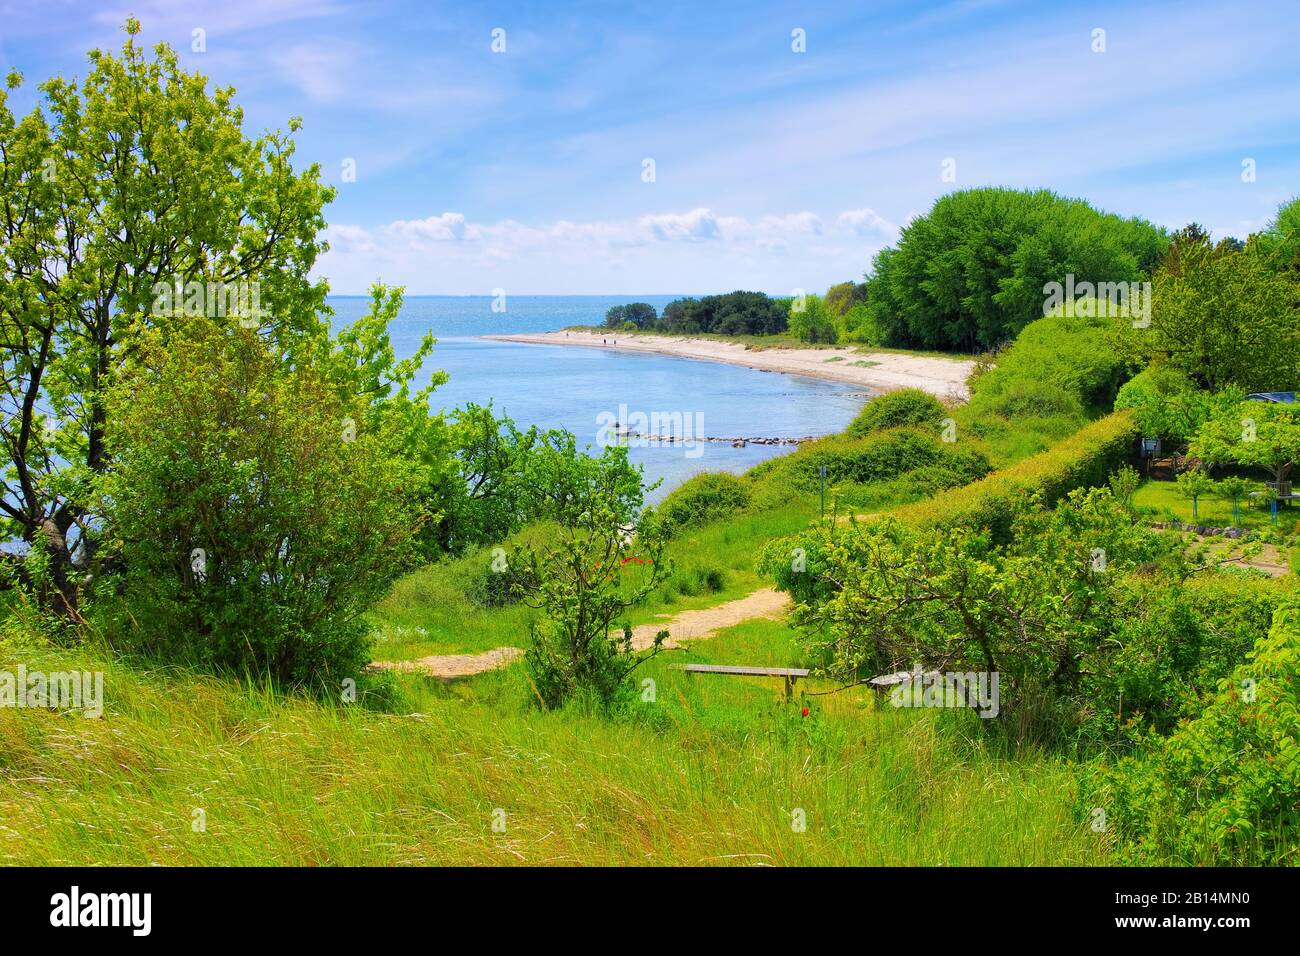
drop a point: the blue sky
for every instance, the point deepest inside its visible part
(773, 169)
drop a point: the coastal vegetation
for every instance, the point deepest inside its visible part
(253, 525)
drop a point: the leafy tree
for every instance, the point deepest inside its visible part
(843, 296)
(505, 478)
(1220, 789)
(257, 510)
(736, 313)
(812, 321)
(1192, 484)
(1252, 434)
(1223, 316)
(972, 272)
(138, 180)
(1169, 406)
(642, 315)
(1234, 489)
(1124, 484)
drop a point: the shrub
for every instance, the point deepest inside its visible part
(596, 566)
(1069, 355)
(879, 456)
(1174, 641)
(1085, 459)
(907, 406)
(703, 499)
(256, 519)
(1037, 609)
(1221, 789)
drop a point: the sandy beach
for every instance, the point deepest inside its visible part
(879, 371)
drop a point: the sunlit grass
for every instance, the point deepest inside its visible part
(711, 771)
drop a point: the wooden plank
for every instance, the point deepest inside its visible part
(745, 671)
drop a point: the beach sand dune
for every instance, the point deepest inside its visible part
(879, 371)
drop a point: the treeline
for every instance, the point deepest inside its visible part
(735, 313)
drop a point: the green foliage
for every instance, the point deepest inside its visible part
(137, 180)
(1251, 434)
(1059, 365)
(1168, 405)
(1221, 789)
(254, 511)
(1124, 484)
(1235, 489)
(1085, 459)
(1036, 609)
(842, 297)
(600, 563)
(972, 272)
(1192, 484)
(505, 478)
(633, 316)
(1224, 316)
(907, 406)
(703, 499)
(877, 457)
(736, 313)
(811, 320)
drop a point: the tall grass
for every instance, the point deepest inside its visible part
(711, 772)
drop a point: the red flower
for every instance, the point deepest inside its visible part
(805, 711)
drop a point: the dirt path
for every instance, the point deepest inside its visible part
(686, 626)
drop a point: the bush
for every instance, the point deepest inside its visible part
(1174, 642)
(703, 499)
(585, 576)
(907, 406)
(878, 457)
(1221, 789)
(256, 519)
(879, 596)
(1085, 459)
(1070, 356)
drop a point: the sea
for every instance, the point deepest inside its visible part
(583, 390)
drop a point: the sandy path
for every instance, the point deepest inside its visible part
(881, 371)
(686, 626)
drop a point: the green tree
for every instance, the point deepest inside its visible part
(134, 198)
(877, 597)
(1124, 484)
(811, 321)
(843, 296)
(1253, 434)
(1192, 484)
(1222, 315)
(640, 314)
(1234, 489)
(973, 271)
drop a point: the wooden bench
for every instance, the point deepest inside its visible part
(791, 674)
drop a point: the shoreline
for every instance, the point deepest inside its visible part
(944, 378)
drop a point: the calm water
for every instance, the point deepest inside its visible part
(568, 387)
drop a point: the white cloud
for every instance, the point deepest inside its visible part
(676, 227)
(450, 254)
(867, 222)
